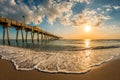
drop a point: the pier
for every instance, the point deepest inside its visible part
(19, 26)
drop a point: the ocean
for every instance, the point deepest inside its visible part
(61, 56)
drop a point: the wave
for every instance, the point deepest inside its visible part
(106, 47)
(54, 48)
(59, 61)
(95, 48)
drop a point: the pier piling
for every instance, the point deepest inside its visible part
(8, 35)
(26, 35)
(17, 33)
(38, 36)
(22, 35)
(3, 35)
(32, 36)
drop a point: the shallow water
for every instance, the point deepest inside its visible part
(68, 56)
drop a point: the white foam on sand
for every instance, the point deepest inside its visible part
(59, 61)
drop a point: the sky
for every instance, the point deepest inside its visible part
(66, 18)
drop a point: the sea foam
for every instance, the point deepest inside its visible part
(59, 61)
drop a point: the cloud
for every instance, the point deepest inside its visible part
(15, 11)
(56, 10)
(53, 10)
(82, 1)
(116, 7)
(108, 7)
(60, 10)
(89, 17)
(65, 20)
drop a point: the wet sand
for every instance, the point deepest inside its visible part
(107, 71)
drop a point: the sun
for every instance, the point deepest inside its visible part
(87, 28)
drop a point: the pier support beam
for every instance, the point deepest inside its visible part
(3, 35)
(41, 36)
(46, 37)
(17, 33)
(8, 35)
(26, 35)
(22, 35)
(38, 36)
(32, 36)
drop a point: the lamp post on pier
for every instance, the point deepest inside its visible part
(24, 19)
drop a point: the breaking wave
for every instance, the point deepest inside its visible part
(57, 61)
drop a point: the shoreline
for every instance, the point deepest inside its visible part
(106, 71)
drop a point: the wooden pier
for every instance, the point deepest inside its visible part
(9, 23)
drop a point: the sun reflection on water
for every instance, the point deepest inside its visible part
(87, 43)
(88, 52)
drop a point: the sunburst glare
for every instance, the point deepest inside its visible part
(87, 28)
